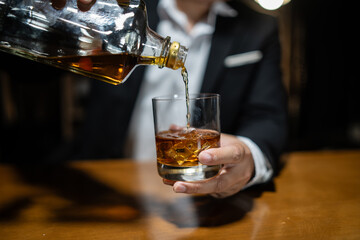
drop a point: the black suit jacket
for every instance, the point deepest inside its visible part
(252, 95)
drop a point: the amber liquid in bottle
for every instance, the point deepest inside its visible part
(111, 68)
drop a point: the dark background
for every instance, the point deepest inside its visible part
(327, 116)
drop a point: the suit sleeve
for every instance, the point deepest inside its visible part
(264, 117)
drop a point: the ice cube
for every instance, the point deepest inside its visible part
(183, 151)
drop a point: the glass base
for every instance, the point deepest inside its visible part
(188, 174)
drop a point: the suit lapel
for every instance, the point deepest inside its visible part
(153, 17)
(222, 42)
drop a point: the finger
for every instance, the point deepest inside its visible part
(58, 4)
(214, 185)
(168, 182)
(85, 1)
(85, 5)
(228, 182)
(230, 154)
(175, 127)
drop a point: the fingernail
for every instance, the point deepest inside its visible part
(180, 189)
(206, 158)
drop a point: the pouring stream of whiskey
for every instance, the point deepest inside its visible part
(184, 74)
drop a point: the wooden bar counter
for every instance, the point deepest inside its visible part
(315, 196)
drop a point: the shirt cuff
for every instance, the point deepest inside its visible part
(263, 168)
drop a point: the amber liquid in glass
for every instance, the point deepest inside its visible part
(178, 151)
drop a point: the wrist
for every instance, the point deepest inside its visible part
(262, 169)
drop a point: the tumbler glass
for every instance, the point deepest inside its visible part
(180, 139)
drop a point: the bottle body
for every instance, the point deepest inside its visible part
(106, 42)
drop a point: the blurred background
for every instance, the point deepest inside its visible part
(42, 108)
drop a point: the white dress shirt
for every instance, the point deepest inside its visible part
(159, 82)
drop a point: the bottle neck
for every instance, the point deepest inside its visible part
(164, 52)
(176, 56)
(167, 54)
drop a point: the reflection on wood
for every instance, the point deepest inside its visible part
(315, 197)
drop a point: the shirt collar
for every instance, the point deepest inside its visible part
(167, 9)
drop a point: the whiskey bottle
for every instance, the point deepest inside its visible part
(106, 42)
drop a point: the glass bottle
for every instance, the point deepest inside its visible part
(106, 42)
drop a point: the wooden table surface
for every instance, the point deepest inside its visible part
(316, 196)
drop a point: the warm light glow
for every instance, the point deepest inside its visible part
(271, 4)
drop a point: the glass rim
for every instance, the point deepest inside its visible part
(192, 96)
